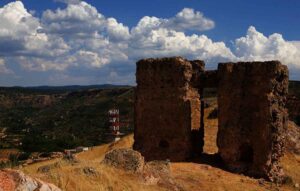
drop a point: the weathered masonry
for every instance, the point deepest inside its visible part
(167, 109)
(252, 115)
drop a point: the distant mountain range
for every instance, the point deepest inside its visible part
(61, 89)
(294, 88)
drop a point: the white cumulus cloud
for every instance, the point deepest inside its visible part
(20, 34)
(95, 39)
(91, 59)
(164, 42)
(82, 20)
(187, 19)
(296, 43)
(257, 46)
(16, 21)
(78, 42)
(76, 19)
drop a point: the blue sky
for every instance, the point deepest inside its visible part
(232, 17)
(67, 42)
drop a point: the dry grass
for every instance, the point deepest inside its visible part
(190, 176)
(211, 129)
(70, 175)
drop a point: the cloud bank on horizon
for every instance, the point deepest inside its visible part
(79, 45)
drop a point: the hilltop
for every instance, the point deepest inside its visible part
(205, 173)
(60, 119)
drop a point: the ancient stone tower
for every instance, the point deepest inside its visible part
(252, 114)
(167, 109)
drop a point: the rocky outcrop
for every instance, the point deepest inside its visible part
(252, 117)
(151, 173)
(13, 180)
(126, 159)
(167, 109)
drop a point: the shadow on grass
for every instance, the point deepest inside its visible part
(213, 160)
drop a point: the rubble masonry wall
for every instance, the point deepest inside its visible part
(252, 116)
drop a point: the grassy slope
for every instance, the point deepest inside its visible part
(190, 176)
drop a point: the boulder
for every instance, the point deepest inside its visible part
(159, 173)
(90, 171)
(157, 170)
(126, 159)
(14, 180)
(48, 168)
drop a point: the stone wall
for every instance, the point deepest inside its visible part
(252, 117)
(252, 112)
(167, 109)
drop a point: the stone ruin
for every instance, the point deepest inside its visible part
(167, 109)
(252, 116)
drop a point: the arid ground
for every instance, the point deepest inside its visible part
(205, 173)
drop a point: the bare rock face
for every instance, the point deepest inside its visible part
(126, 159)
(252, 117)
(167, 109)
(12, 180)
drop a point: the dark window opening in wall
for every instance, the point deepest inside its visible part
(164, 144)
(210, 117)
